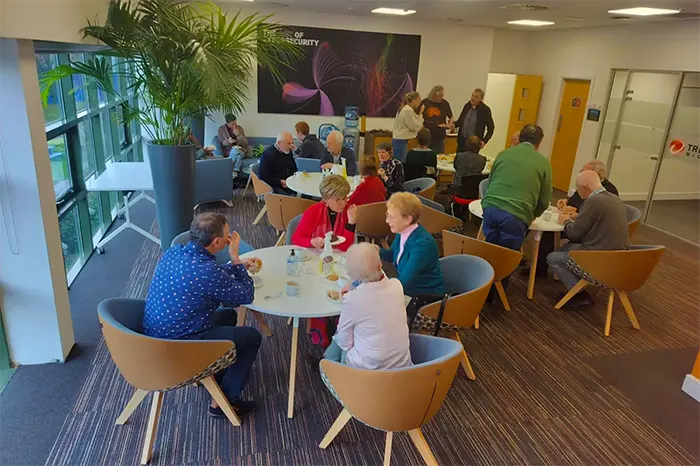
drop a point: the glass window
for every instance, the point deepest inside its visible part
(80, 90)
(53, 111)
(121, 127)
(101, 96)
(107, 135)
(95, 212)
(60, 166)
(70, 239)
(87, 148)
(115, 77)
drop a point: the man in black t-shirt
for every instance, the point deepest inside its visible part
(437, 116)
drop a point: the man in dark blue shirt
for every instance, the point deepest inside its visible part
(187, 292)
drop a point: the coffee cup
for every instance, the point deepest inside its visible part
(547, 216)
(301, 253)
(292, 288)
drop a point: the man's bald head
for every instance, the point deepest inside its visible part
(587, 182)
(285, 142)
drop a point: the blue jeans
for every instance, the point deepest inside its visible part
(505, 229)
(247, 341)
(236, 156)
(557, 260)
(400, 147)
(334, 353)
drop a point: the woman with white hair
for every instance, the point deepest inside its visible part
(372, 331)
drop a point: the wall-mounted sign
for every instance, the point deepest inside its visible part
(679, 147)
(576, 102)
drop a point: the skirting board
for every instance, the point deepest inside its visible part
(691, 386)
(660, 196)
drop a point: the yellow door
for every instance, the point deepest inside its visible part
(526, 103)
(572, 110)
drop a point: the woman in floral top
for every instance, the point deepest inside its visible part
(390, 169)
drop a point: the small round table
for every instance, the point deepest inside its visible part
(271, 297)
(539, 226)
(309, 185)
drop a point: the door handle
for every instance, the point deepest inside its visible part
(652, 157)
(618, 147)
(561, 117)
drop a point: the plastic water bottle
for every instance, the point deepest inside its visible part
(292, 264)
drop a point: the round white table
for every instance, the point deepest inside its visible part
(539, 226)
(271, 297)
(309, 185)
(449, 167)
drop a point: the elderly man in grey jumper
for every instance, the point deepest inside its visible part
(600, 225)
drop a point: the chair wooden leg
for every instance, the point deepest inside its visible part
(293, 368)
(480, 233)
(221, 400)
(476, 323)
(422, 446)
(533, 264)
(628, 309)
(384, 243)
(290, 320)
(502, 294)
(247, 184)
(240, 318)
(387, 448)
(608, 318)
(466, 365)
(572, 292)
(280, 240)
(261, 322)
(131, 406)
(152, 428)
(260, 215)
(335, 429)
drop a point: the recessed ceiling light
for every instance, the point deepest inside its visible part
(393, 11)
(530, 22)
(644, 11)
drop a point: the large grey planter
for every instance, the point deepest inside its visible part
(172, 169)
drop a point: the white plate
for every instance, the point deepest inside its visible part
(308, 256)
(257, 282)
(341, 240)
(339, 301)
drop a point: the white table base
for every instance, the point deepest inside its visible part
(127, 224)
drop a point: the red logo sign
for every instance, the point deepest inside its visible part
(677, 147)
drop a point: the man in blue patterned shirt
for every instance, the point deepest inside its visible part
(188, 291)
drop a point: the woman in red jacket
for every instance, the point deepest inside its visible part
(372, 187)
(333, 213)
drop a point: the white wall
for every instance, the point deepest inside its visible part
(50, 20)
(35, 306)
(499, 95)
(443, 60)
(512, 52)
(591, 54)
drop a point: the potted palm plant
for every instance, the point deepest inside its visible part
(183, 60)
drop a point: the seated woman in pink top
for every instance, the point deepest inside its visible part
(372, 332)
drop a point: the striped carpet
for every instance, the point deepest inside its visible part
(537, 398)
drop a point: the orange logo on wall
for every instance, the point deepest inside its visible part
(677, 147)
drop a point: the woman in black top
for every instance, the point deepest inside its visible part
(390, 169)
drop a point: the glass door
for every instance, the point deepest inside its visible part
(675, 204)
(640, 132)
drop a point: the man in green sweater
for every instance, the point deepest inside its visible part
(519, 190)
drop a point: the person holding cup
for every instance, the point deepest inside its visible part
(372, 332)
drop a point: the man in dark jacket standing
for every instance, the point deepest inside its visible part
(311, 147)
(475, 120)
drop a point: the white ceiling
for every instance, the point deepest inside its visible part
(565, 13)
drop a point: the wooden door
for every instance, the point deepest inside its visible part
(526, 103)
(572, 110)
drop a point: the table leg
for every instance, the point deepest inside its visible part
(557, 246)
(533, 264)
(293, 368)
(127, 223)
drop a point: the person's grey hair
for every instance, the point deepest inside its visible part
(283, 135)
(334, 187)
(335, 135)
(207, 227)
(364, 263)
(597, 166)
(433, 91)
(480, 91)
(588, 179)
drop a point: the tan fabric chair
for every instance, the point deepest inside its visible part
(503, 260)
(470, 279)
(435, 222)
(371, 223)
(282, 209)
(617, 271)
(395, 400)
(260, 187)
(158, 365)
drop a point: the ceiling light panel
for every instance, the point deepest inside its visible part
(644, 11)
(393, 11)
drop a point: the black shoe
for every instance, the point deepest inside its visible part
(581, 300)
(242, 408)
